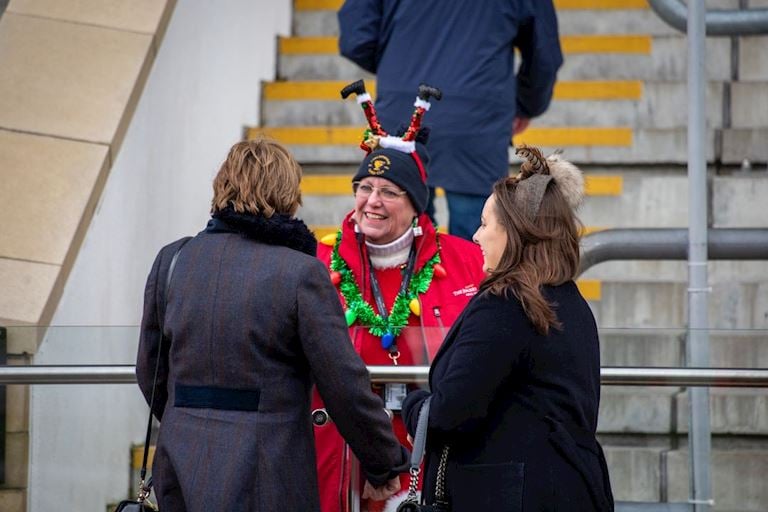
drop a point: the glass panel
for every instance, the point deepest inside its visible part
(86, 440)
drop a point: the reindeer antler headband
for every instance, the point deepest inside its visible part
(375, 136)
(535, 174)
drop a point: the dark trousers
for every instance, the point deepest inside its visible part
(463, 212)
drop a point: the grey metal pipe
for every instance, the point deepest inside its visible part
(671, 244)
(697, 339)
(743, 22)
(112, 374)
(610, 376)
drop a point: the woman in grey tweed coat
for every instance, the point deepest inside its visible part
(251, 321)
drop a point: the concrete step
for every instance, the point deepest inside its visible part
(341, 184)
(13, 500)
(595, 57)
(641, 347)
(738, 478)
(575, 103)
(655, 473)
(327, 198)
(635, 472)
(664, 410)
(637, 410)
(319, 103)
(560, 5)
(583, 144)
(729, 348)
(745, 143)
(732, 305)
(612, 145)
(752, 63)
(318, 17)
(732, 411)
(626, 18)
(616, 198)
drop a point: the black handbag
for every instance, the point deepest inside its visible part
(412, 502)
(142, 502)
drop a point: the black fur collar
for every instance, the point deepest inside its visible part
(276, 230)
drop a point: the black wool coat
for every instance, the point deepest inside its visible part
(518, 409)
(252, 321)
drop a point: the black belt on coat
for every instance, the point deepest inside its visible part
(212, 397)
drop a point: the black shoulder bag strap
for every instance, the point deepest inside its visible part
(411, 502)
(146, 487)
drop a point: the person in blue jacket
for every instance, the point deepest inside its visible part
(467, 49)
(515, 387)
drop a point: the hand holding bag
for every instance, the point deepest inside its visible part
(142, 502)
(411, 503)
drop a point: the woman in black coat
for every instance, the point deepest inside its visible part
(515, 388)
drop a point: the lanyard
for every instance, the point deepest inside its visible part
(388, 340)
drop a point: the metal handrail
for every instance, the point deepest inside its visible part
(720, 22)
(610, 375)
(670, 244)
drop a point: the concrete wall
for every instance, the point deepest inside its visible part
(204, 87)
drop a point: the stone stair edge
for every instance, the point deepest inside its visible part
(310, 5)
(570, 43)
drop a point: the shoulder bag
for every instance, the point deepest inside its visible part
(412, 502)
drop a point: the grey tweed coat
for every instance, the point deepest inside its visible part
(249, 327)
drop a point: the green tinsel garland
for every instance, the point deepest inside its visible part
(363, 312)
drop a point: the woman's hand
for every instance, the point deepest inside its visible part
(381, 493)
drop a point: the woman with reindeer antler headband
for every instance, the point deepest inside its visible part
(515, 387)
(401, 283)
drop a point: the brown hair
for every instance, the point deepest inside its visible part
(260, 177)
(542, 251)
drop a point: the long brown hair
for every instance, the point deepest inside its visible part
(540, 251)
(260, 177)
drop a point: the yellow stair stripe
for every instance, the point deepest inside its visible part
(334, 5)
(321, 230)
(591, 289)
(576, 136)
(600, 4)
(341, 184)
(311, 90)
(603, 185)
(629, 44)
(599, 90)
(591, 229)
(308, 45)
(329, 90)
(137, 455)
(351, 135)
(333, 185)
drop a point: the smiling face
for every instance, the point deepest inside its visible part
(490, 236)
(381, 219)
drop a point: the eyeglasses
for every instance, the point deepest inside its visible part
(363, 190)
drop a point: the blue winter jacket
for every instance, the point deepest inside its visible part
(465, 48)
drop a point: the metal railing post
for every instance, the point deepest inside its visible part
(697, 340)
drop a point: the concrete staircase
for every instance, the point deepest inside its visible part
(620, 112)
